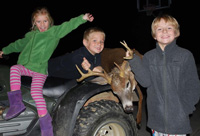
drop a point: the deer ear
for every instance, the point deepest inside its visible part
(133, 81)
(126, 67)
(99, 80)
(125, 64)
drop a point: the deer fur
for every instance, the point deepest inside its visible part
(111, 55)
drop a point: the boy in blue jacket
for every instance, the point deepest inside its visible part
(85, 57)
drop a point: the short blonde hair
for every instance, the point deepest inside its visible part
(41, 11)
(168, 19)
(91, 30)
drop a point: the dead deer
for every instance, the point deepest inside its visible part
(122, 82)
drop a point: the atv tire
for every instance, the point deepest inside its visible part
(105, 118)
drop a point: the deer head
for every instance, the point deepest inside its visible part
(120, 78)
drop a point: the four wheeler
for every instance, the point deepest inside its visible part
(77, 109)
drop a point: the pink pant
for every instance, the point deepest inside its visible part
(38, 81)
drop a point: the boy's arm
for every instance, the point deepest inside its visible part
(191, 85)
(140, 69)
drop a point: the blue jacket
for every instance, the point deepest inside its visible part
(64, 66)
(173, 87)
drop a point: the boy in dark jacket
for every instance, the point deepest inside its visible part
(170, 75)
(85, 57)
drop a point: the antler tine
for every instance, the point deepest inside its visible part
(121, 70)
(92, 73)
(130, 51)
(82, 74)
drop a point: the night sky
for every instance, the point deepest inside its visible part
(120, 21)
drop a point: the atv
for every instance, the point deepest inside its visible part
(77, 109)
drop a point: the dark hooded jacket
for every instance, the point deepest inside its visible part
(173, 87)
(65, 66)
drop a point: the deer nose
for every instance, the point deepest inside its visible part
(129, 109)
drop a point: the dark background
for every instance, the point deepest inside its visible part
(120, 21)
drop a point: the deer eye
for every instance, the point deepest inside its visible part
(127, 84)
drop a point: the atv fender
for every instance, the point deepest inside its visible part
(75, 99)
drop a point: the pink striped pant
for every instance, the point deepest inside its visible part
(37, 84)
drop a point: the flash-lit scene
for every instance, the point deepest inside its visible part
(99, 68)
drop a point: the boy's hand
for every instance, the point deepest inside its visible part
(88, 17)
(85, 64)
(135, 52)
(98, 69)
(128, 53)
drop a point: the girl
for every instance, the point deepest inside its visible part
(35, 50)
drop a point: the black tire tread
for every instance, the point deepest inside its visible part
(91, 113)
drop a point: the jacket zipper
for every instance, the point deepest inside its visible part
(165, 92)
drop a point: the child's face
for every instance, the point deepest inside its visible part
(42, 23)
(95, 42)
(164, 33)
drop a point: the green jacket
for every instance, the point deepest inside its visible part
(37, 47)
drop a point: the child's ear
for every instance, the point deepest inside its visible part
(84, 42)
(177, 34)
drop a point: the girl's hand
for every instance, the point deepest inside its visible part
(88, 17)
(1, 53)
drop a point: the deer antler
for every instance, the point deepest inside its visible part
(130, 51)
(92, 73)
(122, 73)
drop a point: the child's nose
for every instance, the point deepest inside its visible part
(165, 30)
(98, 43)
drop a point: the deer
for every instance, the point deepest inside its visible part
(121, 79)
(111, 55)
